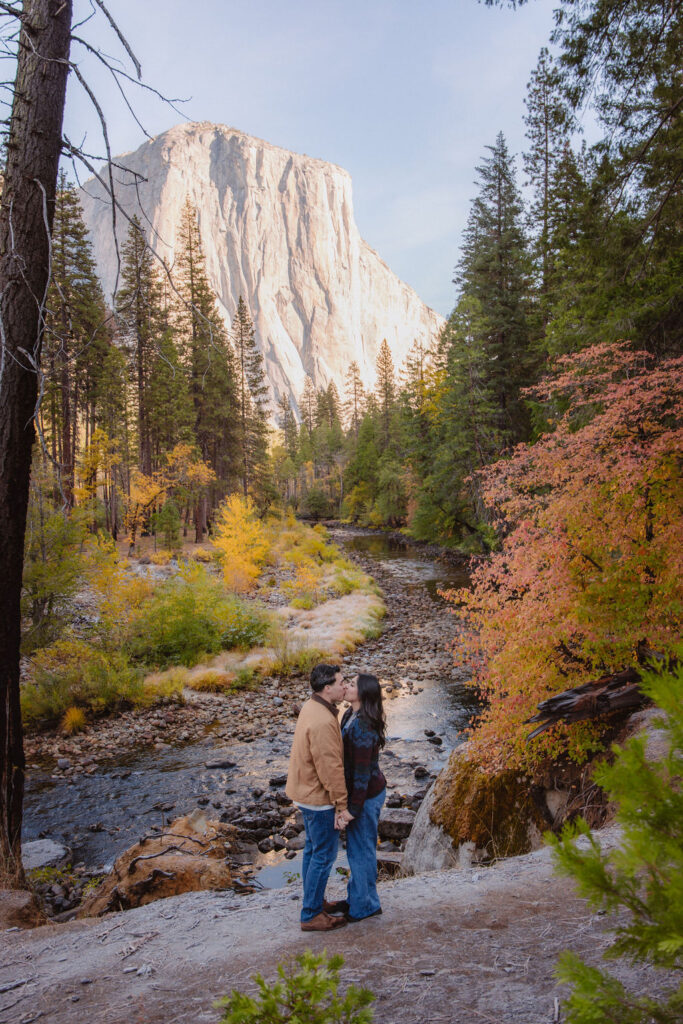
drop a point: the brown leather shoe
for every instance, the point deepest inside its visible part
(337, 907)
(322, 922)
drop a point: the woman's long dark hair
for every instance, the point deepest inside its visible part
(370, 697)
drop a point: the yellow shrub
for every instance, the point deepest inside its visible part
(211, 681)
(73, 721)
(306, 589)
(202, 555)
(161, 557)
(242, 542)
(163, 686)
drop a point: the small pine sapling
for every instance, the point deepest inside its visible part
(308, 995)
(642, 878)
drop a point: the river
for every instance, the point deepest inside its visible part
(101, 814)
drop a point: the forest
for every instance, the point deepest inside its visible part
(540, 432)
(158, 512)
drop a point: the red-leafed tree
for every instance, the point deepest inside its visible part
(591, 554)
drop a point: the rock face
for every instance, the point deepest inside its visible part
(190, 856)
(44, 853)
(278, 229)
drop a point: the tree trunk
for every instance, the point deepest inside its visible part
(35, 138)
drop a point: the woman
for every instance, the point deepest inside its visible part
(364, 731)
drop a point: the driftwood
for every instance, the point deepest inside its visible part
(618, 691)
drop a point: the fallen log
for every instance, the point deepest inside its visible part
(619, 691)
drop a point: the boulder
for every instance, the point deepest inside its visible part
(188, 856)
(19, 909)
(395, 822)
(44, 853)
(470, 816)
(428, 848)
(493, 810)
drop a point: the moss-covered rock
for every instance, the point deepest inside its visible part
(496, 811)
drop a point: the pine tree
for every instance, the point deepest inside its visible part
(623, 57)
(288, 427)
(354, 402)
(494, 271)
(252, 399)
(308, 404)
(171, 415)
(548, 127)
(209, 359)
(385, 389)
(76, 334)
(138, 306)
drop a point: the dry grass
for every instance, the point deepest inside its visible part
(74, 721)
(210, 681)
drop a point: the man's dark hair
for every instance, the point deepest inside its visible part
(322, 676)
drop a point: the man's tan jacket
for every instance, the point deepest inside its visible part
(316, 763)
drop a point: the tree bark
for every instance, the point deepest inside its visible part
(34, 146)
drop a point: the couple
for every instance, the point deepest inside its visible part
(335, 780)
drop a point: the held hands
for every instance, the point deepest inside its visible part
(341, 819)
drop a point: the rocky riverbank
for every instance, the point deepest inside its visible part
(126, 775)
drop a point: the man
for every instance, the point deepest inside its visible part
(316, 784)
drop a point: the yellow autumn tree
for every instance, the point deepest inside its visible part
(242, 540)
(146, 492)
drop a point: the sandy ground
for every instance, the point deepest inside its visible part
(457, 946)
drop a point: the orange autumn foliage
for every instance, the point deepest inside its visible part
(591, 556)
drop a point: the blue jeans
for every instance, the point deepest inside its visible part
(320, 853)
(361, 849)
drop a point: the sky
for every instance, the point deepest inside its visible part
(404, 95)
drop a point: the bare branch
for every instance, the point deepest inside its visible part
(122, 38)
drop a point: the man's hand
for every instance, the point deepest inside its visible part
(341, 819)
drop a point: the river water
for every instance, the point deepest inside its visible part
(100, 815)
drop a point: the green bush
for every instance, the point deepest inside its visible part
(643, 877)
(309, 996)
(71, 673)
(190, 616)
(317, 504)
(167, 523)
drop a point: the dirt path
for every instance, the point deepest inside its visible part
(456, 947)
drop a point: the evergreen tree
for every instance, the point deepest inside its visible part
(76, 334)
(308, 404)
(494, 271)
(138, 305)
(354, 401)
(385, 389)
(548, 126)
(210, 363)
(623, 56)
(288, 427)
(171, 415)
(252, 398)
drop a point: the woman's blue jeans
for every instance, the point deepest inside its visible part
(361, 849)
(320, 853)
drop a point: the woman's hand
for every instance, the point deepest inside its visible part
(341, 819)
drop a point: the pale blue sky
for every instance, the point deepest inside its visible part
(404, 95)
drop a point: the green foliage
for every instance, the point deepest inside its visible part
(309, 995)
(643, 877)
(53, 560)
(190, 616)
(72, 673)
(317, 504)
(167, 523)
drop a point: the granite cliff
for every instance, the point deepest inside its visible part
(277, 228)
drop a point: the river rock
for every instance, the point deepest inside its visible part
(44, 853)
(189, 856)
(19, 909)
(428, 847)
(395, 822)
